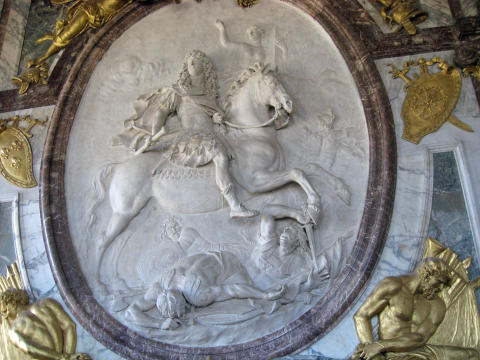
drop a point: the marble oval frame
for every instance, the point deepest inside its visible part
(314, 323)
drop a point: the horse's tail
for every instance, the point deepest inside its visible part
(98, 192)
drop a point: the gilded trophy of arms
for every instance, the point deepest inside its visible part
(431, 313)
(16, 163)
(39, 330)
(431, 98)
(403, 13)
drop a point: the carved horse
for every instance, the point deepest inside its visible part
(258, 164)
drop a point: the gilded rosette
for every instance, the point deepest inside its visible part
(16, 158)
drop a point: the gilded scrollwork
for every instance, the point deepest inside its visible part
(429, 314)
(40, 330)
(431, 98)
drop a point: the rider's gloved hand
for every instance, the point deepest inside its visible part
(218, 118)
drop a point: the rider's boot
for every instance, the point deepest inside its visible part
(237, 210)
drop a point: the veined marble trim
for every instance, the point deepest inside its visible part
(13, 41)
(465, 180)
(468, 195)
(1, 5)
(13, 198)
(427, 206)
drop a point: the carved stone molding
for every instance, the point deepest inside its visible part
(348, 284)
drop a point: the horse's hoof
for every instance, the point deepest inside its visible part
(242, 212)
(302, 218)
(314, 212)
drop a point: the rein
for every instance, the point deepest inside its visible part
(245, 127)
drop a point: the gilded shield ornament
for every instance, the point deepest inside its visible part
(430, 100)
(16, 158)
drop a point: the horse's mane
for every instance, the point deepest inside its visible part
(257, 68)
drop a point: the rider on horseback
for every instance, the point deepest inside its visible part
(194, 100)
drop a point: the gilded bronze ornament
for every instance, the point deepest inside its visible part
(431, 98)
(246, 3)
(473, 70)
(241, 3)
(431, 313)
(16, 164)
(35, 75)
(81, 16)
(402, 12)
(41, 330)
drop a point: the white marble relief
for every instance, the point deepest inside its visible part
(12, 43)
(192, 171)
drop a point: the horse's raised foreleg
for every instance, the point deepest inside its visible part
(263, 181)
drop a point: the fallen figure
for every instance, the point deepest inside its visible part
(197, 280)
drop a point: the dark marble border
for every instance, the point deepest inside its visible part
(314, 323)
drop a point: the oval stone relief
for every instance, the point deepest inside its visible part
(217, 181)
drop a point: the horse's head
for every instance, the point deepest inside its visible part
(260, 86)
(270, 91)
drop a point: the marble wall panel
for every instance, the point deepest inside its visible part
(450, 221)
(41, 19)
(438, 11)
(470, 7)
(13, 42)
(11, 249)
(7, 243)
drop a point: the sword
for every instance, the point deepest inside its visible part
(311, 242)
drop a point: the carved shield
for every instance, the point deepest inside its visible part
(16, 158)
(429, 103)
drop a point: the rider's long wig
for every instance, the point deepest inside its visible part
(210, 76)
